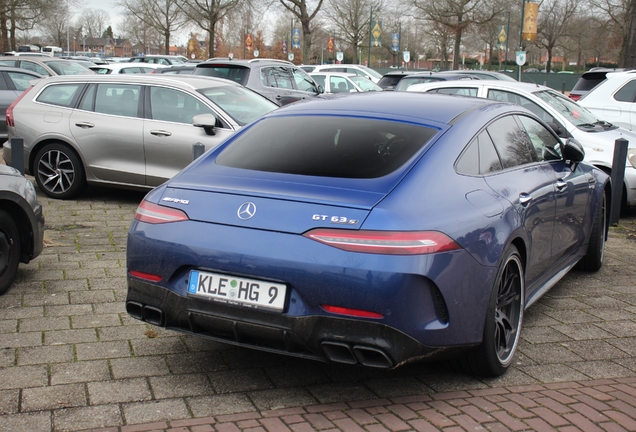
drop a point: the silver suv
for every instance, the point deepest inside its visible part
(133, 131)
(280, 81)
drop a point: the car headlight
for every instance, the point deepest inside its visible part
(631, 156)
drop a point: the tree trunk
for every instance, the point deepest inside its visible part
(628, 51)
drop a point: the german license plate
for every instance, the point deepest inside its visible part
(238, 291)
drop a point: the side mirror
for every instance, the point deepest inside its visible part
(573, 151)
(205, 121)
(321, 89)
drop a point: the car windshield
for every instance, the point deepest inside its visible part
(66, 67)
(242, 104)
(568, 108)
(371, 72)
(233, 73)
(326, 146)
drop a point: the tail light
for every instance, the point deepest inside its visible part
(575, 97)
(156, 214)
(9, 115)
(385, 242)
(351, 312)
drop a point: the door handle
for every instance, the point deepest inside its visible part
(160, 133)
(525, 199)
(85, 125)
(560, 185)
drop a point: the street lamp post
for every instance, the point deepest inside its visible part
(370, 30)
(523, 10)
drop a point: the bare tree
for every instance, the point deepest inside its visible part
(54, 28)
(300, 9)
(206, 14)
(93, 22)
(350, 19)
(139, 33)
(457, 16)
(554, 18)
(17, 15)
(165, 16)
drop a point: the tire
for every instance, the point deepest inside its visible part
(593, 259)
(503, 321)
(9, 251)
(59, 171)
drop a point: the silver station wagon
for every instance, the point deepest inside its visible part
(130, 131)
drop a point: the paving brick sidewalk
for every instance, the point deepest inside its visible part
(71, 359)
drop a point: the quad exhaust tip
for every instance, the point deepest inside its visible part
(150, 314)
(339, 352)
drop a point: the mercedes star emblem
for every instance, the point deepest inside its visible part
(246, 211)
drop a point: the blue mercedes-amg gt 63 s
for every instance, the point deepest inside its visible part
(373, 229)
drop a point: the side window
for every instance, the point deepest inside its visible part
(479, 157)
(61, 94)
(88, 101)
(546, 146)
(117, 99)
(4, 81)
(461, 91)
(627, 93)
(505, 96)
(20, 80)
(7, 63)
(512, 142)
(276, 77)
(303, 81)
(175, 106)
(320, 80)
(338, 84)
(34, 67)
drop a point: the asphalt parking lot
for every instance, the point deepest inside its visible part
(71, 359)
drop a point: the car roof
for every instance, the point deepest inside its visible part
(119, 65)
(516, 85)
(402, 106)
(243, 62)
(24, 71)
(342, 74)
(191, 81)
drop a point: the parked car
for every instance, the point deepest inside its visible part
(389, 80)
(46, 66)
(588, 81)
(166, 60)
(308, 68)
(361, 70)
(21, 224)
(614, 99)
(126, 68)
(280, 81)
(13, 81)
(337, 82)
(133, 131)
(481, 74)
(328, 243)
(568, 119)
(187, 69)
(424, 77)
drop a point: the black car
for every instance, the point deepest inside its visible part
(425, 77)
(13, 81)
(280, 81)
(21, 224)
(391, 79)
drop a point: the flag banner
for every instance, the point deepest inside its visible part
(296, 38)
(248, 41)
(216, 44)
(395, 42)
(530, 22)
(502, 37)
(284, 47)
(376, 33)
(330, 44)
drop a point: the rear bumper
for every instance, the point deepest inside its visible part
(322, 338)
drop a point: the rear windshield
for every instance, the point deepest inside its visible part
(589, 80)
(326, 146)
(236, 74)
